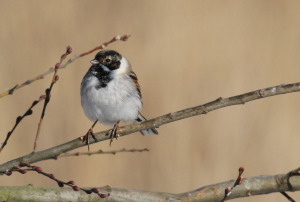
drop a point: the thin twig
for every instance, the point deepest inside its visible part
(103, 152)
(19, 119)
(64, 65)
(48, 93)
(54, 152)
(60, 183)
(287, 196)
(238, 181)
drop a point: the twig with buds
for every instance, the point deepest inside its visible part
(252, 186)
(238, 181)
(48, 91)
(59, 182)
(41, 76)
(103, 152)
(20, 118)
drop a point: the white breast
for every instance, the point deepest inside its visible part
(118, 101)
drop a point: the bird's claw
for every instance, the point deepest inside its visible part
(114, 133)
(86, 138)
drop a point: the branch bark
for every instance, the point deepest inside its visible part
(54, 152)
(251, 186)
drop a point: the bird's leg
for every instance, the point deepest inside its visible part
(86, 138)
(114, 133)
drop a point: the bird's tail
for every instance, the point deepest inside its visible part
(140, 118)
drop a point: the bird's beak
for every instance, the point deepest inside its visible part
(95, 61)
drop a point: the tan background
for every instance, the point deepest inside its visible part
(185, 53)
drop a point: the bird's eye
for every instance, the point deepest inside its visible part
(107, 60)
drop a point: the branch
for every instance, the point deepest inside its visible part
(48, 93)
(60, 183)
(114, 152)
(20, 118)
(54, 152)
(64, 65)
(251, 186)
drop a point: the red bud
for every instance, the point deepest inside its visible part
(69, 49)
(95, 190)
(19, 118)
(52, 176)
(60, 184)
(117, 38)
(88, 191)
(71, 182)
(75, 188)
(23, 171)
(8, 173)
(241, 169)
(57, 66)
(103, 195)
(47, 91)
(38, 169)
(125, 37)
(228, 190)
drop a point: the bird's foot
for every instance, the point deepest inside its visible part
(114, 132)
(86, 138)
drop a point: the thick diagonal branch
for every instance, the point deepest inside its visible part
(53, 152)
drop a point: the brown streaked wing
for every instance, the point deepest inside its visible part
(134, 78)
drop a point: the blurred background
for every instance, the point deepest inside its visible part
(185, 53)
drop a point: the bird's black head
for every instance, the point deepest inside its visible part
(107, 58)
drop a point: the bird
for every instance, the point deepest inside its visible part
(110, 93)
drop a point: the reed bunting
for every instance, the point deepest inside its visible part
(110, 93)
